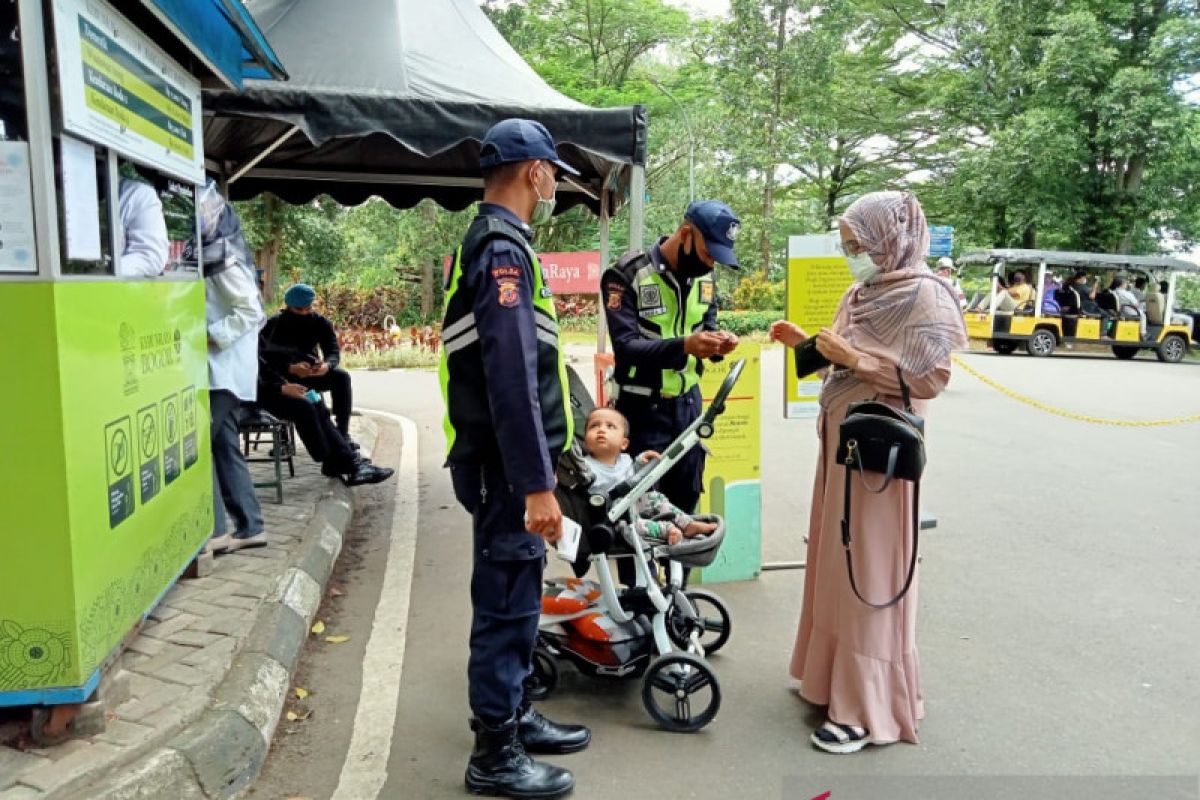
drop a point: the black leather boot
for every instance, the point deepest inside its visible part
(499, 767)
(540, 735)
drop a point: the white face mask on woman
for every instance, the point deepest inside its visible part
(862, 267)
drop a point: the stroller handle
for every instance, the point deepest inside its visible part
(717, 407)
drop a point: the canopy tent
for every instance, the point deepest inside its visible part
(390, 98)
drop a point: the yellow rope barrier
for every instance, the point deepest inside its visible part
(1049, 409)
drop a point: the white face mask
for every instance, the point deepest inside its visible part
(862, 267)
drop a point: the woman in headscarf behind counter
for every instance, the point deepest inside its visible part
(861, 662)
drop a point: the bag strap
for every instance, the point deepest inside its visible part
(904, 393)
(912, 563)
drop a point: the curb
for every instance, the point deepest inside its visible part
(220, 754)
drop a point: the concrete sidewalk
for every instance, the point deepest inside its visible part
(209, 670)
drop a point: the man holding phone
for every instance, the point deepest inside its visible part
(661, 307)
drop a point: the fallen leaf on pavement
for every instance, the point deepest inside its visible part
(337, 639)
(301, 692)
(318, 627)
(293, 716)
(335, 592)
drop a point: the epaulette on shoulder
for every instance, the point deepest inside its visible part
(627, 266)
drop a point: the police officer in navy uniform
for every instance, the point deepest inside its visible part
(661, 306)
(508, 419)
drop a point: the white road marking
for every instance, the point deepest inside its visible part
(365, 770)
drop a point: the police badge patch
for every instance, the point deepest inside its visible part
(649, 296)
(508, 283)
(614, 298)
(706, 292)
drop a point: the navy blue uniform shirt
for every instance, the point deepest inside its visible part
(507, 330)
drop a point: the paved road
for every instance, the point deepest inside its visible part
(1059, 623)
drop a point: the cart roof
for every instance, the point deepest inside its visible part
(1091, 261)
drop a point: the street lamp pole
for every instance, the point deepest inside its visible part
(687, 120)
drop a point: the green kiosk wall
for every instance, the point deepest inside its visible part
(105, 471)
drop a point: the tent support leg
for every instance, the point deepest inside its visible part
(252, 163)
(601, 320)
(637, 207)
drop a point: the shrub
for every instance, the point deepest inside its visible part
(744, 323)
(756, 292)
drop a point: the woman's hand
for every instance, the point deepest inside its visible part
(787, 333)
(837, 349)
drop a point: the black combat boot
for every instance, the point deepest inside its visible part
(540, 735)
(499, 767)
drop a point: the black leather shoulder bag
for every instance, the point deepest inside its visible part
(875, 437)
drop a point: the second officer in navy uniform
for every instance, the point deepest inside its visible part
(661, 308)
(508, 419)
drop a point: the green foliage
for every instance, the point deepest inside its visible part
(755, 292)
(744, 323)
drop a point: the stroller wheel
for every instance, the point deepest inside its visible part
(711, 620)
(681, 693)
(543, 680)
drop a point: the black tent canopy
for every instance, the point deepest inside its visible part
(390, 98)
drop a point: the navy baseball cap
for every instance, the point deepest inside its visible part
(719, 226)
(513, 140)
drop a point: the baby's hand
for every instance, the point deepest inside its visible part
(648, 456)
(697, 528)
(674, 534)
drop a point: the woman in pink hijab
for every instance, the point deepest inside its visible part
(861, 662)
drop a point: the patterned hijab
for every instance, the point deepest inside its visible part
(905, 315)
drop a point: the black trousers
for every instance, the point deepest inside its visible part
(315, 428)
(337, 383)
(506, 592)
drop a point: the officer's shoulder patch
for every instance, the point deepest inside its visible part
(615, 293)
(508, 284)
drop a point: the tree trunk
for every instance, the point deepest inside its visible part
(429, 214)
(268, 256)
(1029, 236)
(772, 129)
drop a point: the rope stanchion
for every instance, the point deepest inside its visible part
(1061, 412)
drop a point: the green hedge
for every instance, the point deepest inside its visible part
(744, 323)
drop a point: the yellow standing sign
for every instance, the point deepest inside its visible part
(817, 277)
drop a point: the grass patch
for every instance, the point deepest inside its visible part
(391, 358)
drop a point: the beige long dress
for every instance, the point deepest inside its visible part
(859, 661)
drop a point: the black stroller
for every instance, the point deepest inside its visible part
(655, 629)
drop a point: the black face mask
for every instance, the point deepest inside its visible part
(690, 265)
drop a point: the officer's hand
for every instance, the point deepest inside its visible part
(293, 390)
(543, 516)
(788, 333)
(703, 344)
(729, 342)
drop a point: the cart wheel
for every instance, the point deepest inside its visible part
(711, 619)
(1041, 344)
(681, 693)
(543, 680)
(1172, 350)
(1004, 346)
(1124, 352)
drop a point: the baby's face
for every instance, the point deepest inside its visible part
(605, 435)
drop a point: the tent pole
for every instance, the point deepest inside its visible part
(601, 320)
(252, 163)
(637, 207)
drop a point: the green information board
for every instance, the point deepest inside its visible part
(105, 476)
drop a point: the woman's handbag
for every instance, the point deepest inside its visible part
(875, 437)
(808, 358)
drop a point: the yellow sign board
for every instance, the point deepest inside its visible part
(733, 469)
(817, 277)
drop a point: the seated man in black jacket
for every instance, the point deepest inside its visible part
(288, 400)
(295, 335)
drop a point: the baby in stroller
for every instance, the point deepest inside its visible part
(606, 437)
(656, 629)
